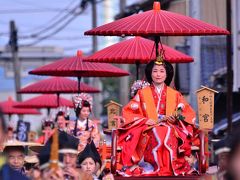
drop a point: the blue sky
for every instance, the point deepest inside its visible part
(35, 17)
(32, 17)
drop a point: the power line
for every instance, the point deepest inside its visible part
(52, 22)
(24, 11)
(63, 38)
(55, 31)
(4, 33)
(24, 3)
(75, 47)
(53, 25)
(59, 14)
(64, 21)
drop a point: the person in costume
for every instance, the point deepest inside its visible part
(233, 163)
(67, 159)
(158, 128)
(47, 130)
(6, 172)
(3, 130)
(49, 155)
(222, 150)
(10, 133)
(61, 121)
(85, 129)
(90, 160)
(69, 149)
(15, 157)
(31, 165)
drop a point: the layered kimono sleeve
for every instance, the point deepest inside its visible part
(188, 126)
(130, 133)
(187, 110)
(133, 111)
(95, 135)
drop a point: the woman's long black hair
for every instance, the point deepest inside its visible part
(78, 110)
(60, 113)
(169, 71)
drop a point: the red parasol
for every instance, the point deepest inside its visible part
(44, 101)
(75, 67)
(157, 22)
(8, 108)
(57, 85)
(137, 51)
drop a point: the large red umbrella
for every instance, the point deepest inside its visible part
(137, 51)
(45, 101)
(157, 23)
(8, 108)
(58, 85)
(75, 67)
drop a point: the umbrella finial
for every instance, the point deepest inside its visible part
(156, 6)
(10, 98)
(79, 53)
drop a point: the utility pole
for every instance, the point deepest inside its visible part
(195, 51)
(124, 81)
(94, 24)
(96, 81)
(16, 64)
(229, 66)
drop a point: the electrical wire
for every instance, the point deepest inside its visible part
(53, 25)
(39, 37)
(63, 38)
(54, 18)
(24, 3)
(75, 47)
(55, 31)
(24, 11)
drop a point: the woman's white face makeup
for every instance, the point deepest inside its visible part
(84, 113)
(159, 74)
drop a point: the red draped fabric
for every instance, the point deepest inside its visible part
(165, 145)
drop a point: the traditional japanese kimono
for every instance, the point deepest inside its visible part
(46, 135)
(159, 149)
(86, 130)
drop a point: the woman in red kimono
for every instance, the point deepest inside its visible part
(47, 130)
(158, 127)
(85, 129)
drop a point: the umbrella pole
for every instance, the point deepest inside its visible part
(58, 99)
(162, 51)
(79, 80)
(48, 111)
(137, 70)
(157, 40)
